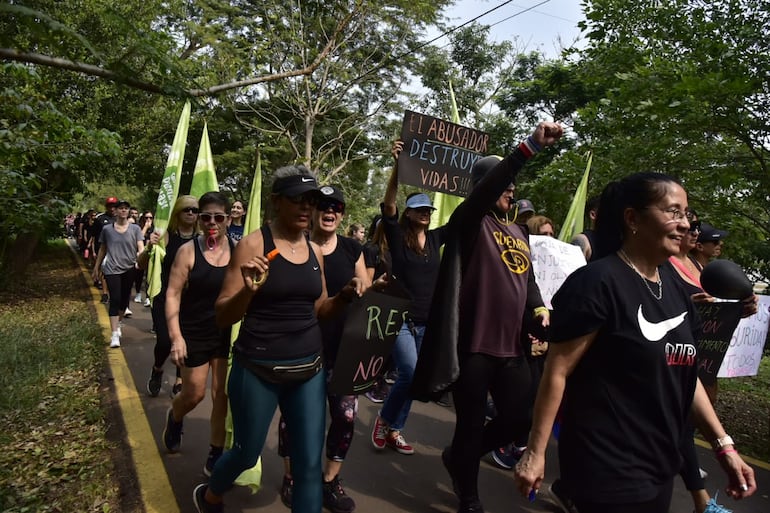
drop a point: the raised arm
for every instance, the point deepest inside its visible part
(391, 190)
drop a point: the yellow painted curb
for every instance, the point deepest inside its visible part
(157, 494)
(748, 459)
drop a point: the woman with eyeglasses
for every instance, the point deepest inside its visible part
(275, 283)
(198, 345)
(182, 227)
(343, 259)
(623, 363)
(415, 259)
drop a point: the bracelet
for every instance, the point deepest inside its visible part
(726, 451)
(541, 310)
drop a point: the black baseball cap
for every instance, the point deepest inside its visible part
(295, 185)
(710, 234)
(332, 192)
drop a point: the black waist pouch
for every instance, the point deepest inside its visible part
(280, 373)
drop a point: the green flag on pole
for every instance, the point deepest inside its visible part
(250, 477)
(205, 177)
(169, 189)
(445, 204)
(573, 224)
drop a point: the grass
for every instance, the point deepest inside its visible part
(743, 406)
(54, 454)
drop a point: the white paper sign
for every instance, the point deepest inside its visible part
(552, 261)
(745, 352)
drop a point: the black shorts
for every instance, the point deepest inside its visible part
(198, 358)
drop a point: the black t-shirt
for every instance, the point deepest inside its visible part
(417, 273)
(101, 221)
(627, 401)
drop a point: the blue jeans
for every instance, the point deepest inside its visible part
(252, 403)
(405, 351)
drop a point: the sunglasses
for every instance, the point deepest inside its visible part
(219, 218)
(309, 198)
(337, 206)
(190, 210)
(149, 217)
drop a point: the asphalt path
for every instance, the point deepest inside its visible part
(379, 481)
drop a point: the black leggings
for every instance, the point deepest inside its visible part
(508, 381)
(162, 338)
(138, 279)
(659, 504)
(119, 286)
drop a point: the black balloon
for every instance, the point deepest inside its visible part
(725, 279)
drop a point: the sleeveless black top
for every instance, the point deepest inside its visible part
(175, 242)
(280, 321)
(339, 269)
(197, 318)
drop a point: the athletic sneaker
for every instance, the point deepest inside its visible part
(287, 489)
(175, 390)
(560, 497)
(508, 456)
(396, 441)
(115, 339)
(199, 499)
(214, 454)
(391, 376)
(471, 506)
(172, 433)
(105, 299)
(147, 302)
(138, 298)
(154, 383)
(128, 313)
(379, 392)
(713, 507)
(335, 499)
(379, 433)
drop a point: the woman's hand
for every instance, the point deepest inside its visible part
(178, 351)
(547, 133)
(154, 238)
(741, 482)
(750, 306)
(529, 473)
(353, 289)
(380, 283)
(254, 272)
(397, 148)
(702, 297)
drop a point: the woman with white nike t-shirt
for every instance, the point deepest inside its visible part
(623, 362)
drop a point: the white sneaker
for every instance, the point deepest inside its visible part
(120, 330)
(138, 298)
(115, 340)
(147, 303)
(128, 313)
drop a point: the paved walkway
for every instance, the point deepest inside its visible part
(380, 482)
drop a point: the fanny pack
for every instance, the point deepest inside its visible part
(280, 373)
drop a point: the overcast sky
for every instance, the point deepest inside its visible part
(539, 28)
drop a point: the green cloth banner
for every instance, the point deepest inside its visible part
(573, 224)
(169, 189)
(205, 176)
(446, 203)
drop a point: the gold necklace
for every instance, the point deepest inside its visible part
(659, 295)
(505, 222)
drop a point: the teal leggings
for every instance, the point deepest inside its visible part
(252, 403)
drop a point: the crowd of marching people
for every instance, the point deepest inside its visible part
(597, 364)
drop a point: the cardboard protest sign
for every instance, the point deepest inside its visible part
(748, 342)
(371, 327)
(438, 155)
(718, 322)
(552, 261)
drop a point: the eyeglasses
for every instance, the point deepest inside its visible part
(206, 217)
(337, 206)
(309, 198)
(674, 213)
(190, 210)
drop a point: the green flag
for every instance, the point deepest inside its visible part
(250, 477)
(573, 224)
(205, 177)
(446, 203)
(169, 189)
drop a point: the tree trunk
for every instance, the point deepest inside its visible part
(21, 254)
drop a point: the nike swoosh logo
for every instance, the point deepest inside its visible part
(654, 331)
(306, 179)
(315, 268)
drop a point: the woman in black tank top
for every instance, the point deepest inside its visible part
(197, 343)
(275, 284)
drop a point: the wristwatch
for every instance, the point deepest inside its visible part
(720, 443)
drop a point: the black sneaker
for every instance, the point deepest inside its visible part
(391, 376)
(176, 389)
(105, 299)
(287, 488)
(201, 505)
(214, 455)
(508, 456)
(172, 433)
(444, 400)
(560, 497)
(446, 459)
(335, 499)
(153, 384)
(471, 506)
